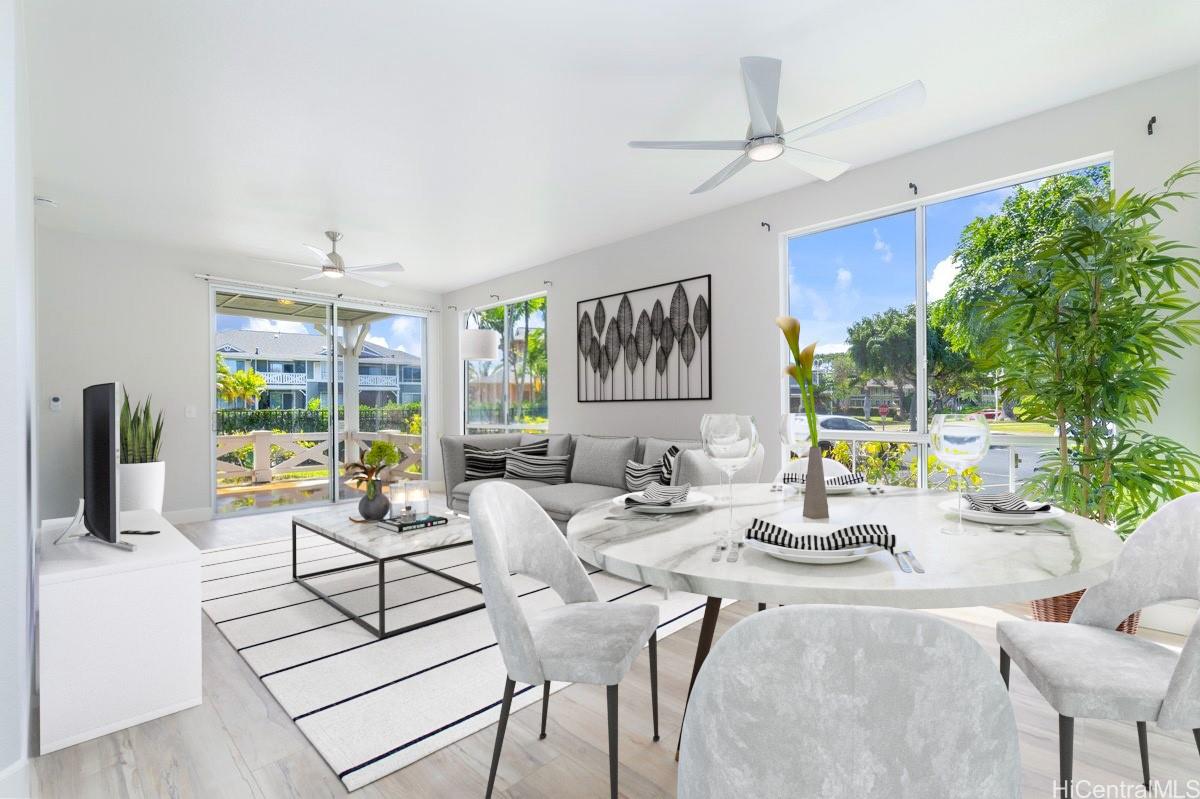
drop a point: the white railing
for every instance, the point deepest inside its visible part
(314, 458)
(370, 381)
(284, 378)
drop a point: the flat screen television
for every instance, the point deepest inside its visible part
(101, 455)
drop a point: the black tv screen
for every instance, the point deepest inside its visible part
(101, 454)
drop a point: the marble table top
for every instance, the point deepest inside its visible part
(985, 568)
(378, 542)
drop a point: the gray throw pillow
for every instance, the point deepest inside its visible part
(557, 443)
(601, 461)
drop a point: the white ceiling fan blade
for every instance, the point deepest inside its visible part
(731, 169)
(364, 279)
(819, 166)
(321, 256)
(688, 145)
(317, 276)
(761, 78)
(389, 267)
(288, 263)
(905, 98)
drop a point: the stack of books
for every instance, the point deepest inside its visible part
(419, 523)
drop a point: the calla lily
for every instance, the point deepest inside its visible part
(790, 326)
(793, 371)
(805, 357)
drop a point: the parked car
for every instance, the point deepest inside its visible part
(842, 423)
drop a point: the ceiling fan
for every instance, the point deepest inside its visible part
(766, 138)
(330, 264)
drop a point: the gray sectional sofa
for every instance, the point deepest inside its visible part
(597, 470)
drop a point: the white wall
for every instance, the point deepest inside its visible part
(17, 486)
(134, 312)
(744, 258)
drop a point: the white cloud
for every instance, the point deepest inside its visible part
(844, 278)
(277, 326)
(379, 341)
(882, 247)
(943, 275)
(833, 349)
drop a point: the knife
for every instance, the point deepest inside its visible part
(912, 560)
(903, 564)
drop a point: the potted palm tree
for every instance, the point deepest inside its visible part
(1084, 336)
(142, 475)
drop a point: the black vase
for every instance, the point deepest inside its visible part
(377, 507)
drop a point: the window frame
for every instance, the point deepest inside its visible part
(918, 206)
(504, 426)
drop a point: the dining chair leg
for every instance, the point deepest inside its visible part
(1005, 666)
(545, 708)
(1066, 740)
(1144, 747)
(654, 681)
(505, 706)
(612, 740)
(708, 626)
(1196, 734)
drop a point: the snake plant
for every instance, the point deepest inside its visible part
(141, 437)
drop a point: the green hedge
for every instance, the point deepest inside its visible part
(236, 421)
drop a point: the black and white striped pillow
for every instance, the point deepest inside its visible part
(543, 468)
(842, 538)
(640, 475)
(488, 464)
(668, 464)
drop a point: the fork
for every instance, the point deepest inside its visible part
(911, 557)
(902, 563)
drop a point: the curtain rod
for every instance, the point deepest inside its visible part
(234, 283)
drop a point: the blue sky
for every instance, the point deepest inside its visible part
(838, 276)
(397, 332)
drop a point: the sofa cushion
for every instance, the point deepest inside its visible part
(544, 468)
(463, 490)
(565, 500)
(640, 475)
(483, 464)
(601, 461)
(557, 443)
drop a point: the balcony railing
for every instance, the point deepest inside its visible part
(309, 453)
(374, 381)
(284, 378)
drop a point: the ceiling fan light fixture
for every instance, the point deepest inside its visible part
(334, 273)
(767, 148)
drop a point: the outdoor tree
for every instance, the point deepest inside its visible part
(994, 248)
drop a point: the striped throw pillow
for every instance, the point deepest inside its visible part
(488, 464)
(640, 475)
(668, 464)
(543, 468)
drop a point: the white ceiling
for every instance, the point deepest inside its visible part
(470, 139)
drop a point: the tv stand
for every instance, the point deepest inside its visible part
(118, 632)
(77, 523)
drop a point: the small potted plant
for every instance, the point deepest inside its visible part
(142, 474)
(369, 473)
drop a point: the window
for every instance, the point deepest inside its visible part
(510, 392)
(876, 294)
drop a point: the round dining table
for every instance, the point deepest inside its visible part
(985, 566)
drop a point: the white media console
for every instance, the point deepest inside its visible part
(118, 632)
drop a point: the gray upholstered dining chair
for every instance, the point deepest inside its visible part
(1086, 669)
(843, 701)
(584, 640)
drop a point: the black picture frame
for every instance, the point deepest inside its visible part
(631, 334)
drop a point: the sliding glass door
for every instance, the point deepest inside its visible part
(303, 387)
(509, 392)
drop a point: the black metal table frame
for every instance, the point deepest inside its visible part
(381, 631)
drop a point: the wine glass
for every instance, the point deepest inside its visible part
(729, 442)
(959, 440)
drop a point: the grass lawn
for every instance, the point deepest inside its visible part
(1023, 428)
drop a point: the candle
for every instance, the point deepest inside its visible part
(416, 494)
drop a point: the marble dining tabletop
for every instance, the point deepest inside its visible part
(984, 567)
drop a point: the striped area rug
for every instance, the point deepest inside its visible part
(371, 707)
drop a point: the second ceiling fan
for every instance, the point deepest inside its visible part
(766, 139)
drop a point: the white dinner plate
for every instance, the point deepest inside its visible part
(695, 499)
(834, 491)
(821, 557)
(1014, 519)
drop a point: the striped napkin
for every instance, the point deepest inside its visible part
(852, 479)
(1004, 502)
(843, 538)
(660, 495)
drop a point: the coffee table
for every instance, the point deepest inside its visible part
(381, 546)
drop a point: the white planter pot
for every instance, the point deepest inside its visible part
(141, 485)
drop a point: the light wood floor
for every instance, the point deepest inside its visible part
(240, 743)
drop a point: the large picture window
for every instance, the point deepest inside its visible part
(898, 307)
(509, 392)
